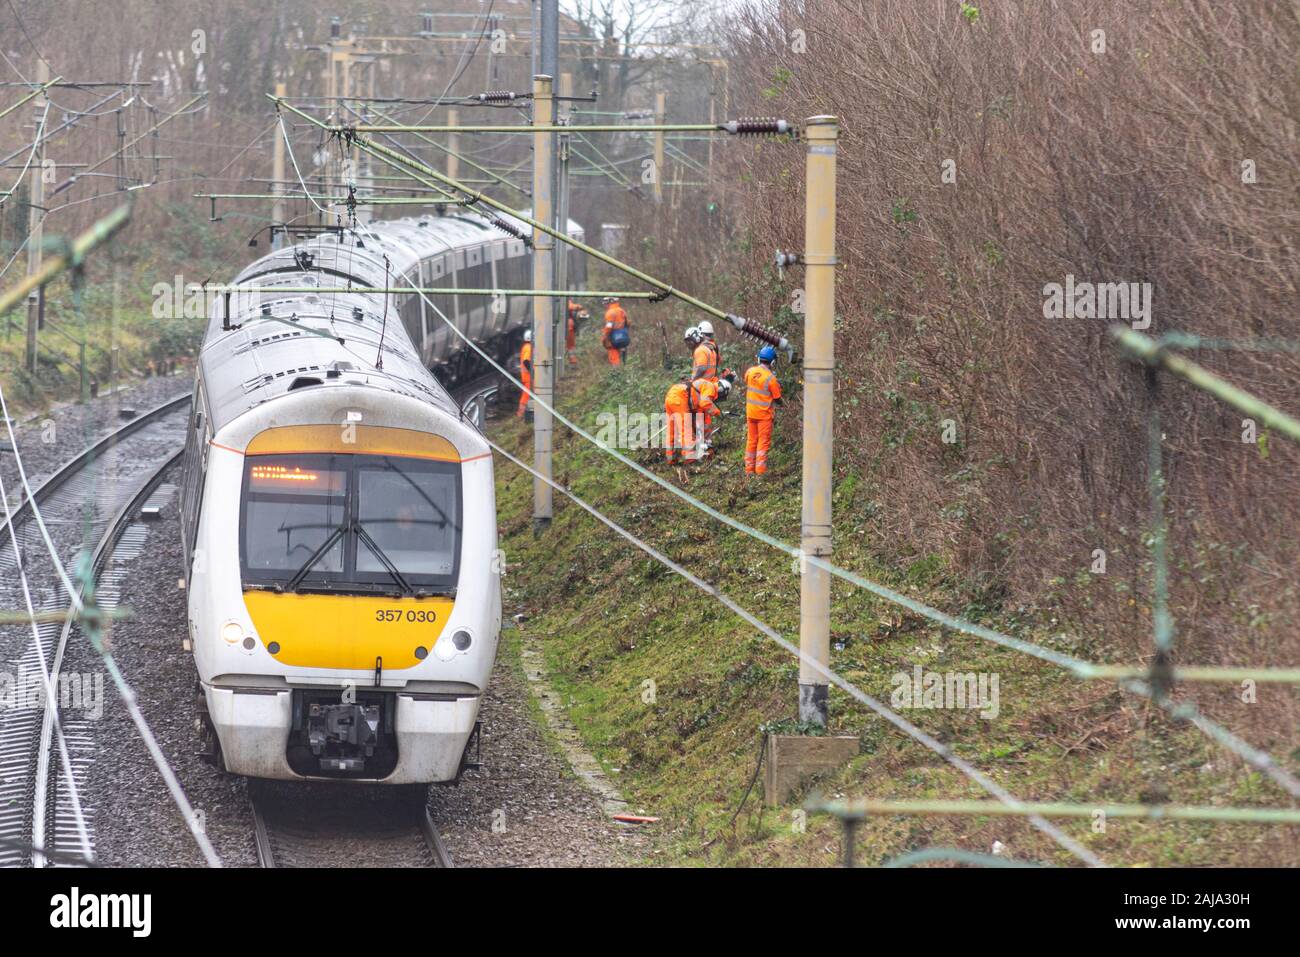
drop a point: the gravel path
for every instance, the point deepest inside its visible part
(522, 808)
(542, 814)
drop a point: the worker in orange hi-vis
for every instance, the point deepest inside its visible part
(576, 312)
(525, 372)
(762, 393)
(707, 360)
(616, 336)
(686, 403)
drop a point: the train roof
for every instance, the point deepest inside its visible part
(284, 342)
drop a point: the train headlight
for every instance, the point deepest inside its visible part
(450, 646)
(232, 632)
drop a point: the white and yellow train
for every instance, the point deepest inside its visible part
(338, 510)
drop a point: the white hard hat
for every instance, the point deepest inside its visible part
(528, 335)
(691, 334)
(724, 388)
(706, 328)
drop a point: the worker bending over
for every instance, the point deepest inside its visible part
(616, 336)
(525, 372)
(762, 393)
(687, 403)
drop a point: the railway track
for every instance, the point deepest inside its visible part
(477, 396)
(333, 825)
(97, 497)
(92, 498)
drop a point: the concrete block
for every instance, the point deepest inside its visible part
(792, 759)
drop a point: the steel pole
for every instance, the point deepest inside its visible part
(562, 223)
(543, 250)
(453, 146)
(661, 104)
(278, 174)
(535, 39)
(819, 387)
(365, 214)
(36, 218)
(549, 57)
(548, 60)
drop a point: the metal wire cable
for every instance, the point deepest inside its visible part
(110, 664)
(288, 145)
(31, 154)
(68, 122)
(466, 60)
(51, 701)
(1076, 666)
(988, 784)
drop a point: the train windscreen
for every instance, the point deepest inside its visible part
(365, 523)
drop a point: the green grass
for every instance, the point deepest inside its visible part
(112, 308)
(611, 620)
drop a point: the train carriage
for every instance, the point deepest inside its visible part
(338, 510)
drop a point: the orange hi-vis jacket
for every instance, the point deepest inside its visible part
(615, 318)
(706, 361)
(761, 392)
(526, 363)
(698, 396)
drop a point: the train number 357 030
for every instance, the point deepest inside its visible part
(411, 614)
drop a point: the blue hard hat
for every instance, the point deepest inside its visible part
(767, 354)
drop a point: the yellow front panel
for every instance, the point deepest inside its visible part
(353, 439)
(347, 631)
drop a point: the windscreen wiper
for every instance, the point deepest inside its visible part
(379, 553)
(325, 546)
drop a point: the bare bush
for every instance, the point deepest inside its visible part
(1116, 157)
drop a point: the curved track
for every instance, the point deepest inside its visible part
(97, 497)
(476, 398)
(92, 498)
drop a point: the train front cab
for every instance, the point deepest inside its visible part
(354, 632)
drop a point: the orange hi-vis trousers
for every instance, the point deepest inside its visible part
(757, 443)
(525, 393)
(683, 430)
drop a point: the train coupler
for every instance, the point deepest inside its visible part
(343, 736)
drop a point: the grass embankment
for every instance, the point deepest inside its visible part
(142, 344)
(131, 326)
(610, 620)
